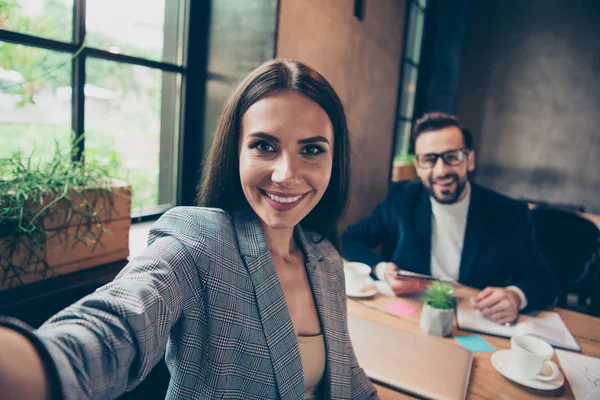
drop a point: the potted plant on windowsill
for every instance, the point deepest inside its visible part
(403, 168)
(59, 216)
(438, 309)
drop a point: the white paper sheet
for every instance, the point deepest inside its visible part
(583, 374)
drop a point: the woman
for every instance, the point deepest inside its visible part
(246, 296)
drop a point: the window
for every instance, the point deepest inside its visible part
(233, 53)
(110, 70)
(410, 73)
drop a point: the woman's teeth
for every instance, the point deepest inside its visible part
(283, 200)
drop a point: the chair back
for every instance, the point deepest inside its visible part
(569, 243)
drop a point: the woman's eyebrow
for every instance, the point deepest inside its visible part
(313, 140)
(264, 135)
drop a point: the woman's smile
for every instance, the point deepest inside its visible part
(283, 201)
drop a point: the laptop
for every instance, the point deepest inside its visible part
(414, 363)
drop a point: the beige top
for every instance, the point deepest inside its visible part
(312, 352)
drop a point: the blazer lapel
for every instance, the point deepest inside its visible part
(423, 230)
(329, 305)
(272, 306)
(474, 232)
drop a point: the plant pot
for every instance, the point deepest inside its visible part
(55, 252)
(436, 321)
(403, 171)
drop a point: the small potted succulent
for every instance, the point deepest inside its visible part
(438, 309)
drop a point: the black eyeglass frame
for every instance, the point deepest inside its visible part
(418, 157)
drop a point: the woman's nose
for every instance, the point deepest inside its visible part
(285, 171)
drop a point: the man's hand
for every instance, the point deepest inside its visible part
(498, 304)
(402, 285)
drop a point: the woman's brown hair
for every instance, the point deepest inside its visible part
(220, 186)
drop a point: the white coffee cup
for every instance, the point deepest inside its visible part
(530, 354)
(356, 274)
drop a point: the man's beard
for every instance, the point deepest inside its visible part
(448, 198)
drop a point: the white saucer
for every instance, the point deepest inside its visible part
(368, 293)
(364, 293)
(502, 360)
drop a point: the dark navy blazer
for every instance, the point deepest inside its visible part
(499, 246)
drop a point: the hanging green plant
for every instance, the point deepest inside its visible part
(63, 202)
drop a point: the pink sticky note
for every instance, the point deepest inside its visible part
(401, 308)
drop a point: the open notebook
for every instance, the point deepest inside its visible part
(546, 325)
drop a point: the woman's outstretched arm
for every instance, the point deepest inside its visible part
(22, 374)
(108, 342)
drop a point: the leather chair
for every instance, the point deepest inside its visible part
(570, 244)
(594, 308)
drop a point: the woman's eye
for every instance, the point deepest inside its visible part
(312, 149)
(264, 146)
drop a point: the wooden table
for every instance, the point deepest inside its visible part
(485, 382)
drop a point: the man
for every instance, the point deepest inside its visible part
(446, 226)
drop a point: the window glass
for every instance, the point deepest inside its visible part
(233, 53)
(217, 93)
(402, 141)
(130, 127)
(415, 34)
(35, 100)
(409, 86)
(142, 28)
(242, 36)
(410, 72)
(50, 19)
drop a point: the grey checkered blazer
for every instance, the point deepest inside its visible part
(205, 290)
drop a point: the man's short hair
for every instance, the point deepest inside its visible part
(435, 121)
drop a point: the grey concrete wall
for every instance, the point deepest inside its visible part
(361, 60)
(530, 92)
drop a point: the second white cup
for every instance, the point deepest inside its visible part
(356, 274)
(530, 354)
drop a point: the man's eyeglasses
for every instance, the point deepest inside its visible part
(450, 157)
